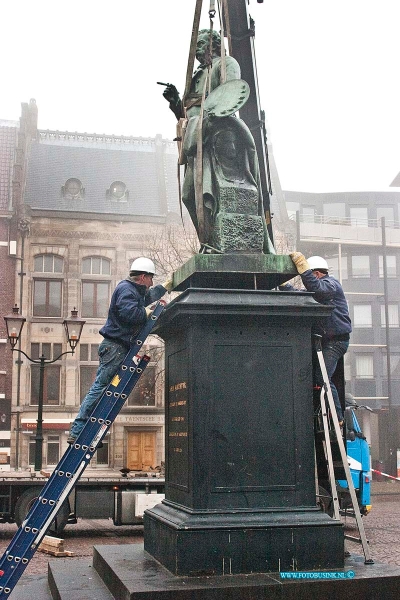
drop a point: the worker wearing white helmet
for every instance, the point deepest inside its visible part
(336, 328)
(129, 309)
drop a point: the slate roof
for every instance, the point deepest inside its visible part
(98, 161)
(8, 143)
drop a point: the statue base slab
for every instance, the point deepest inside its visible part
(234, 271)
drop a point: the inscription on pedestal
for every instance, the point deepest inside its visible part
(177, 425)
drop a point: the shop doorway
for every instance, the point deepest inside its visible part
(141, 450)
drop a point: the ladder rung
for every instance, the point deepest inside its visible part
(351, 538)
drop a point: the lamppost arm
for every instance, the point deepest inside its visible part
(39, 361)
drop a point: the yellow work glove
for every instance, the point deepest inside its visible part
(148, 311)
(300, 262)
(168, 284)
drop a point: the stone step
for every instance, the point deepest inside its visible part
(32, 587)
(75, 579)
(132, 574)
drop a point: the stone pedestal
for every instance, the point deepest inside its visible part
(240, 488)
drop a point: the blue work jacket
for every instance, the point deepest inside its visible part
(127, 315)
(329, 291)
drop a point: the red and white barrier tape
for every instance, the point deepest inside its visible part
(385, 474)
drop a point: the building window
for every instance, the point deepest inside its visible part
(48, 263)
(118, 192)
(387, 212)
(95, 298)
(364, 366)
(394, 365)
(87, 376)
(308, 214)
(88, 353)
(393, 310)
(360, 266)
(359, 216)
(49, 351)
(96, 265)
(73, 189)
(51, 385)
(47, 293)
(390, 266)
(334, 212)
(32, 449)
(53, 449)
(347, 367)
(51, 444)
(47, 296)
(144, 393)
(292, 208)
(102, 453)
(333, 263)
(362, 315)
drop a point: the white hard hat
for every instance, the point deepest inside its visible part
(143, 265)
(318, 263)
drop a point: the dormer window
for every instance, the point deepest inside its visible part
(118, 192)
(73, 189)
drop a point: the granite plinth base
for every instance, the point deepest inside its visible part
(242, 541)
(234, 271)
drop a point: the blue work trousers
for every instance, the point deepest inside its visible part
(332, 351)
(111, 356)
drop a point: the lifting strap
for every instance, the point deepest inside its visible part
(71, 466)
(199, 170)
(188, 102)
(192, 49)
(222, 17)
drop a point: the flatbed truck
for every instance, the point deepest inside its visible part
(122, 497)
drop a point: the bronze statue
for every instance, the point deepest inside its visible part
(227, 212)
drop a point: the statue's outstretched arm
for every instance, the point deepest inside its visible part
(171, 94)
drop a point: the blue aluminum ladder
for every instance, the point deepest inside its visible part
(71, 466)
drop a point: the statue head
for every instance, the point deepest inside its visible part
(203, 45)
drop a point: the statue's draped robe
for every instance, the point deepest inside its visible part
(213, 175)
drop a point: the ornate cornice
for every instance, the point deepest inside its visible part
(87, 235)
(94, 138)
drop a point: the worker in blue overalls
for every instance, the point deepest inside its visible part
(335, 329)
(127, 314)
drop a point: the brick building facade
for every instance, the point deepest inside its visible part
(93, 204)
(15, 140)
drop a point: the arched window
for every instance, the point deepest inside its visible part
(48, 263)
(96, 265)
(96, 272)
(47, 291)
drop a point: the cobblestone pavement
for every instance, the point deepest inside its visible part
(382, 527)
(79, 539)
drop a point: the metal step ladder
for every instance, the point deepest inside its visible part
(326, 392)
(71, 466)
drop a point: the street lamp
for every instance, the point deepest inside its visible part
(73, 329)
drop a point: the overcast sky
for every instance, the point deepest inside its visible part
(328, 73)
